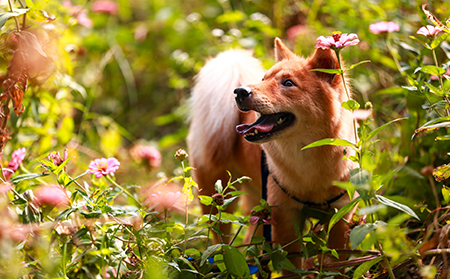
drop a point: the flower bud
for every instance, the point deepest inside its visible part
(181, 155)
(368, 105)
(218, 199)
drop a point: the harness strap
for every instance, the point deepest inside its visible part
(267, 231)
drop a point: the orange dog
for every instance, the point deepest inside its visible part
(290, 108)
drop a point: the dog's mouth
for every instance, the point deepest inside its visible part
(266, 126)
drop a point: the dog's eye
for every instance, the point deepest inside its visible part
(288, 83)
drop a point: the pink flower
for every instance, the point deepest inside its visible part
(109, 272)
(384, 26)
(362, 114)
(165, 198)
(52, 195)
(101, 167)
(13, 165)
(446, 75)
(80, 13)
(109, 7)
(337, 41)
(149, 153)
(254, 220)
(429, 30)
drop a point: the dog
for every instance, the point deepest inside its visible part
(281, 111)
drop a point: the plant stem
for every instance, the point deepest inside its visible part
(441, 84)
(386, 261)
(123, 190)
(15, 18)
(209, 228)
(348, 94)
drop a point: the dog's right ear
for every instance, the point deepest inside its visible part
(324, 59)
(281, 50)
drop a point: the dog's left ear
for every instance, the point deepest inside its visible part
(281, 50)
(324, 59)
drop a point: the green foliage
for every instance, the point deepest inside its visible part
(114, 84)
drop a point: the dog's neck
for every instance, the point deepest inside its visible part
(309, 174)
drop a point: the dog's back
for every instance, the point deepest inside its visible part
(212, 134)
(214, 145)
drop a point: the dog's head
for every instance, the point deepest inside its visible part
(293, 99)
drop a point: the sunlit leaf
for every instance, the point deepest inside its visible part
(338, 142)
(396, 205)
(441, 173)
(341, 213)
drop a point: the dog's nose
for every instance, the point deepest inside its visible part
(242, 93)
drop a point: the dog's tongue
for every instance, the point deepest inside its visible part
(263, 124)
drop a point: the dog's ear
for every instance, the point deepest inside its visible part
(324, 59)
(281, 51)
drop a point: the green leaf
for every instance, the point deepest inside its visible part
(422, 42)
(431, 127)
(206, 200)
(235, 262)
(27, 176)
(432, 70)
(360, 232)
(396, 205)
(338, 142)
(329, 71)
(357, 64)
(278, 258)
(64, 179)
(441, 173)
(5, 16)
(446, 194)
(209, 251)
(65, 214)
(438, 40)
(344, 210)
(364, 267)
(350, 105)
(436, 90)
(377, 130)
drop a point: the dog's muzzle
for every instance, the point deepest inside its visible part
(242, 96)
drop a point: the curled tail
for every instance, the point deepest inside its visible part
(214, 115)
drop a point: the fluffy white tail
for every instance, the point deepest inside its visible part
(214, 115)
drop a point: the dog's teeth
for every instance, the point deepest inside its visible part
(256, 131)
(279, 121)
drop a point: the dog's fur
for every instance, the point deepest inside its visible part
(313, 102)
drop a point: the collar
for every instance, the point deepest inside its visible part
(309, 203)
(265, 173)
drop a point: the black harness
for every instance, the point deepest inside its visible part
(264, 176)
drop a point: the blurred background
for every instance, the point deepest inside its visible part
(119, 73)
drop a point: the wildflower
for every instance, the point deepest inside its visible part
(362, 114)
(263, 216)
(52, 195)
(80, 13)
(429, 31)
(103, 166)
(384, 26)
(109, 272)
(13, 165)
(181, 155)
(149, 153)
(163, 199)
(337, 41)
(56, 159)
(109, 7)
